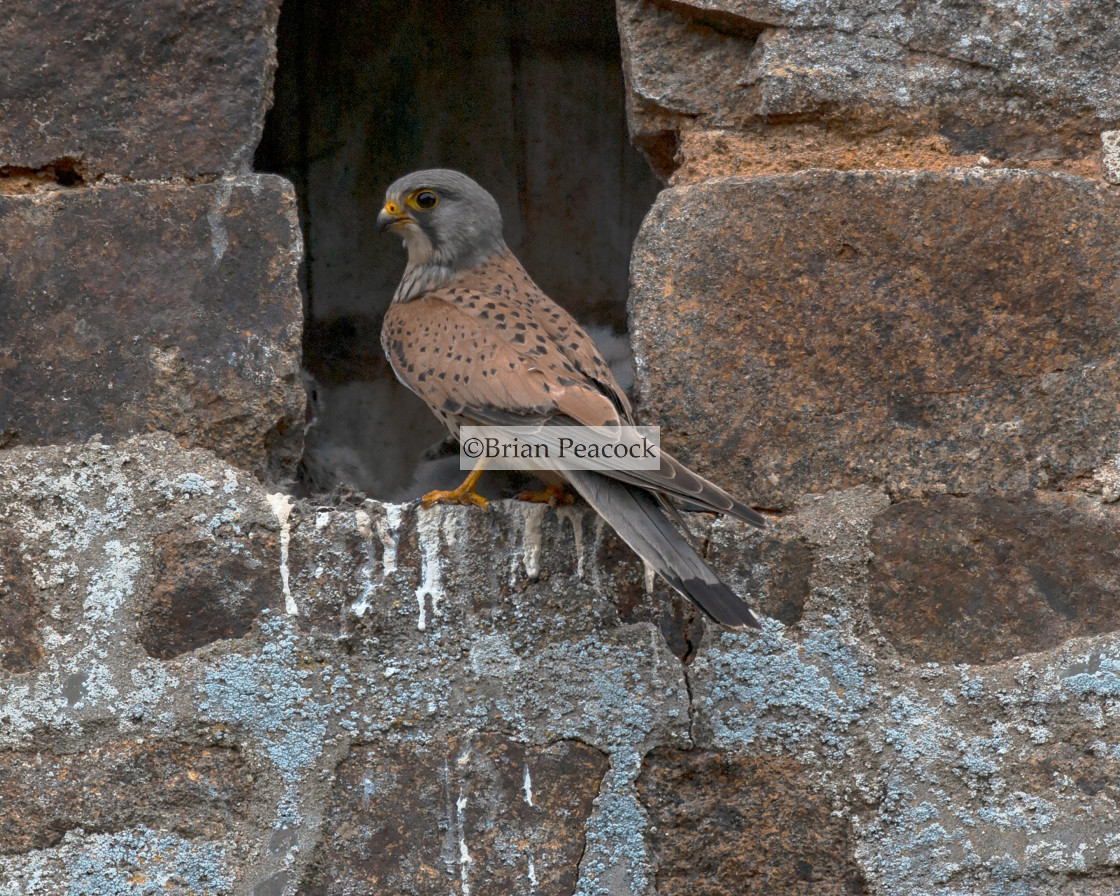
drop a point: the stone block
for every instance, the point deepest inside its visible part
(167, 89)
(773, 568)
(984, 578)
(1007, 80)
(190, 790)
(727, 825)
(477, 815)
(930, 332)
(142, 307)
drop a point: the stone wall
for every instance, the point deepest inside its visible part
(879, 297)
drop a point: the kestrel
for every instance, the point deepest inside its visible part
(472, 335)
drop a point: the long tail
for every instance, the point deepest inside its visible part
(634, 513)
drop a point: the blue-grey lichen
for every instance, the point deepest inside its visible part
(136, 862)
(800, 694)
(615, 861)
(269, 696)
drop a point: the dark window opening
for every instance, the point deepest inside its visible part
(527, 99)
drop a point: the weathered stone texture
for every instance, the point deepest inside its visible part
(948, 770)
(193, 791)
(134, 308)
(774, 567)
(205, 689)
(407, 646)
(925, 331)
(389, 698)
(992, 577)
(206, 589)
(1110, 146)
(482, 815)
(21, 649)
(531, 591)
(1009, 80)
(162, 89)
(729, 826)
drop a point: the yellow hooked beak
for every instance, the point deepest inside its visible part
(392, 215)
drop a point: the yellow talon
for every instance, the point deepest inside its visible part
(464, 494)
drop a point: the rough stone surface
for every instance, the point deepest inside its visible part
(991, 577)
(702, 154)
(482, 815)
(1110, 145)
(205, 590)
(724, 824)
(206, 687)
(956, 778)
(166, 89)
(20, 646)
(389, 698)
(1009, 80)
(142, 307)
(373, 631)
(196, 792)
(930, 332)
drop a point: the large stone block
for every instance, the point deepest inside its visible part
(984, 578)
(726, 825)
(133, 308)
(1033, 81)
(954, 332)
(164, 89)
(193, 791)
(481, 815)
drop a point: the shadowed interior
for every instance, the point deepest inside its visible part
(527, 99)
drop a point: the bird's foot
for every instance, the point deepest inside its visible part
(553, 495)
(464, 494)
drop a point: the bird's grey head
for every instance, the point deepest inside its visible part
(445, 219)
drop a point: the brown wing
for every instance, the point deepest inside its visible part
(502, 294)
(471, 367)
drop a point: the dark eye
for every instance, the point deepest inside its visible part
(426, 199)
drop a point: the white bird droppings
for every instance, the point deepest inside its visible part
(431, 585)
(533, 515)
(574, 515)
(389, 531)
(281, 505)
